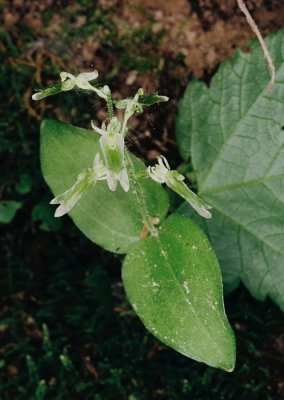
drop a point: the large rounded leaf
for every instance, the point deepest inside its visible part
(174, 284)
(110, 219)
(233, 131)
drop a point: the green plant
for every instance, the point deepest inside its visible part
(170, 272)
(234, 134)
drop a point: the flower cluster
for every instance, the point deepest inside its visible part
(113, 167)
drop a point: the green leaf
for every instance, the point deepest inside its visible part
(174, 284)
(44, 213)
(236, 140)
(24, 184)
(8, 210)
(183, 124)
(110, 219)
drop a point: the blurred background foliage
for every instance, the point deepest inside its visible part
(66, 328)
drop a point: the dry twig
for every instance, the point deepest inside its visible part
(265, 50)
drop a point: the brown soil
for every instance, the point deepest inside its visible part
(197, 37)
(205, 32)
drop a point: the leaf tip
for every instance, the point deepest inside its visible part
(230, 366)
(229, 362)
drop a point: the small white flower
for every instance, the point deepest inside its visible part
(104, 92)
(159, 172)
(68, 82)
(162, 173)
(131, 105)
(113, 147)
(85, 180)
(82, 80)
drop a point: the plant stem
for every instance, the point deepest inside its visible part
(255, 29)
(109, 106)
(140, 196)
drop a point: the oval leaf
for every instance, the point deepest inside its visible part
(110, 219)
(174, 284)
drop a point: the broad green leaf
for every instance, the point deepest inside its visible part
(183, 124)
(236, 136)
(110, 219)
(174, 284)
(8, 210)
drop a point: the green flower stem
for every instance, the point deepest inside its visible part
(139, 193)
(109, 106)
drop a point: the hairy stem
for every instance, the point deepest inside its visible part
(255, 29)
(139, 193)
(109, 106)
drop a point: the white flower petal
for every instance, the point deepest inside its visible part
(83, 84)
(165, 161)
(124, 180)
(67, 205)
(112, 179)
(68, 85)
(64, 75)
(89, 76)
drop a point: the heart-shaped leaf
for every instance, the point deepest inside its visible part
(110, 219)
(174, 283)
(234, 131)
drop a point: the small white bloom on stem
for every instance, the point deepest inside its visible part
(113, 147)
(82, 80)
(69, 82)
(162, 173)
(85, 180)
(131, 107)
